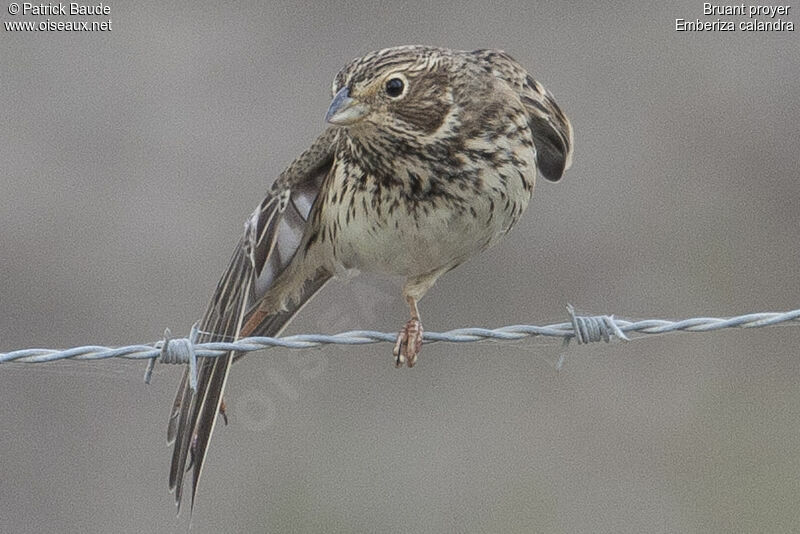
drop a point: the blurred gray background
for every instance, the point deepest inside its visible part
(131, 159)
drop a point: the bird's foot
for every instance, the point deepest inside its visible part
(408, 344)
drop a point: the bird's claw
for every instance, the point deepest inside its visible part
(408, 344)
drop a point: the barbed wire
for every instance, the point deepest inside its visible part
(582, 328)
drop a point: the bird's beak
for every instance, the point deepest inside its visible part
(345, 110)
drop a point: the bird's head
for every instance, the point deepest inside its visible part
(402, 90)
(397, 101)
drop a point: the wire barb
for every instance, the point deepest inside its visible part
(584, 329)
(176, 351)
(589, 329)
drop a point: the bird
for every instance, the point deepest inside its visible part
(429, 158)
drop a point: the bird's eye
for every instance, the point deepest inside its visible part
(394, 87)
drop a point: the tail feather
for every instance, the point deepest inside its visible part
(274, 233)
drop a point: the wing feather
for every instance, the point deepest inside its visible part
(273, 234)
(550, 128)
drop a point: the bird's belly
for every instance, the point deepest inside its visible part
(414, 238)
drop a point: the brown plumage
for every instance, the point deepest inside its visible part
(431, 158)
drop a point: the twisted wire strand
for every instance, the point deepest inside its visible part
(584, 329)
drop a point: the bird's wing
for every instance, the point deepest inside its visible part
(550, 128)
(273, 234)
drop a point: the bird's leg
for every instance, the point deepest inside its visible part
(223, 412)
(409, 340)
